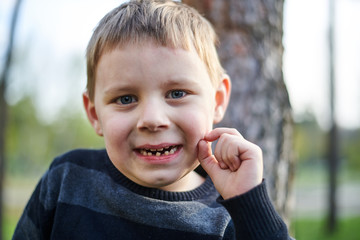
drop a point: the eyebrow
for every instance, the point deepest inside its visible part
(179, 82)
(117, 89)
(114, 91)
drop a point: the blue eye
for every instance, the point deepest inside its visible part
(127, 99)
(177, 94)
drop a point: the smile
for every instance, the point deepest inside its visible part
(159, 152)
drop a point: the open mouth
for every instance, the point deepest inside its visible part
(159, 152)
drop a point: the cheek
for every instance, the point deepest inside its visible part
(115, 129)
(198, 124)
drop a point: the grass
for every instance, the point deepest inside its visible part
(307, 229)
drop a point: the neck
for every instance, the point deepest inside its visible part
(189, 182)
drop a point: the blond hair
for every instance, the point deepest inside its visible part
(167, 23)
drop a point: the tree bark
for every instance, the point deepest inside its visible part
(251, 51)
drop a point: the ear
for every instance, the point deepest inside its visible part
(222, 97)
(91, 114)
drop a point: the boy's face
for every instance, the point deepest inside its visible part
(153, 104)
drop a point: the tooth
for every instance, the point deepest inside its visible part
(143, 152)
(167, 147)
(166, 152)
(161, 149)
(158, 154)
(149, 153)
(172, 151)
(153, 150)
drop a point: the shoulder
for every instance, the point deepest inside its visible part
(74, 165)
(69, 172)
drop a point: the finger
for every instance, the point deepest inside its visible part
(217, 132)
(249, 151)
(233, 153)
(223, 165)
(226, 151)
(204, 150)
(206, 159)
(220, 153)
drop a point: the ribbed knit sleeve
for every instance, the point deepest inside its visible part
(254, 216)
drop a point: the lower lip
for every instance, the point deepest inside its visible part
(163, 159)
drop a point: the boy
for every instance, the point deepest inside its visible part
(155, 89)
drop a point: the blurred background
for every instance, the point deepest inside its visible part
(47, 78)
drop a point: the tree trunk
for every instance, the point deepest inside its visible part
(251, 51)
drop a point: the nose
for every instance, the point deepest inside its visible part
(153, 117)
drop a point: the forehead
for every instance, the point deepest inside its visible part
(150, 61)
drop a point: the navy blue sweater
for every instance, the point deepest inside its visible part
(83, 196)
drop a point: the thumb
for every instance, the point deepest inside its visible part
(206, 159)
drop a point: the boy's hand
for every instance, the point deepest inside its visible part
(237, 165)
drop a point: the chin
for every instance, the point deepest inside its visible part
(168, 181)
(159, 182)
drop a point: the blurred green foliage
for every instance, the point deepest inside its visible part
(309, 140)
(31, 145)
(351, 149)
(9, 225)
(310, 144)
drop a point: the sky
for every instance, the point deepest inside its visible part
(306, 59)
(52, 36)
